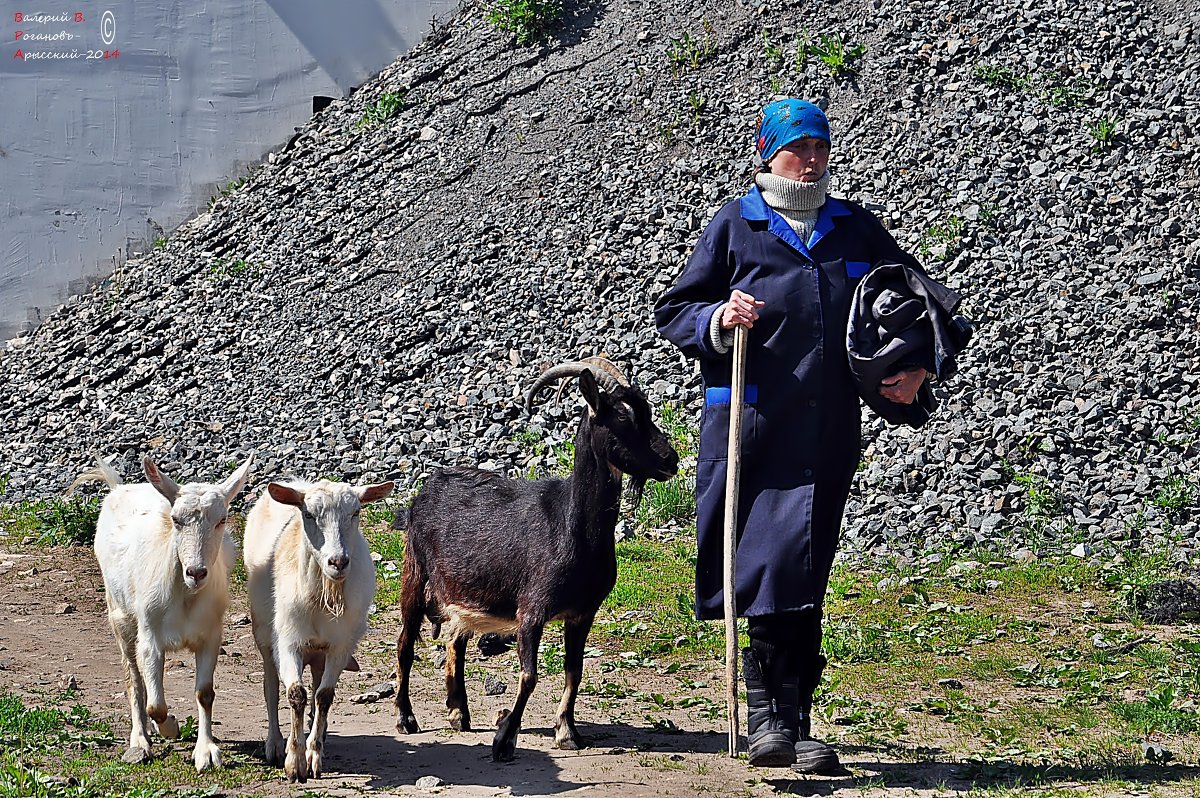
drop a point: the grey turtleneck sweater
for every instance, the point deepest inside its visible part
(795, 201)
(798, 203)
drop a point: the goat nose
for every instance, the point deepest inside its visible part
(339, 562)
(197, 573)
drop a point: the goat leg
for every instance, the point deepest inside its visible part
(566, 736)
(529, 637)
(291, 673)
(150, 662)
(333, 663)
(139, 737)
(206, 753)
(273, 748)
(315, 661)
(412, 608)
(456, 685)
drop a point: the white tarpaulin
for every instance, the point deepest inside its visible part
(119, 119)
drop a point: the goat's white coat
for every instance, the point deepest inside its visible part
(165, 556)
(301, 614)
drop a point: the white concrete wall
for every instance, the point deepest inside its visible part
(99, 156)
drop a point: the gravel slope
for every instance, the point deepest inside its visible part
(374, 300)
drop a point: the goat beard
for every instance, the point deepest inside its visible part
(333, 598)
(636, 486)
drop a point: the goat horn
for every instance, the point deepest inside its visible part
(603, 376)
(610, 367)
(599, 362)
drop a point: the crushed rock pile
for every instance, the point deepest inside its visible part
(375, 299)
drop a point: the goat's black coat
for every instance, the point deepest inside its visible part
(526, 552)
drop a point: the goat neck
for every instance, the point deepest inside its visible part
(595, 487)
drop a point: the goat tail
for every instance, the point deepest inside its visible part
(102, 472)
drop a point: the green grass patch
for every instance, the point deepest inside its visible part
(1103, 132)
(1175, 496)
(233, 269)
(996, 658)
(388, 105)
(389, 544)
(530, 20)
(650, 611)
(52, 522)
(939, 239)
(61, 750)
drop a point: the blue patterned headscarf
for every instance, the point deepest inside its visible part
(785, 121)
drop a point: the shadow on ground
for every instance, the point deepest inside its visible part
(924, 770)
(380, 762)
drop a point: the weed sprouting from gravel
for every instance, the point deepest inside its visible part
(840, 56)
(940, 237)
(1103, 132)
(387, 106)
(1175, 495)
(530, 20)
(688, 52)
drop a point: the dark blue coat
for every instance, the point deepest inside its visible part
(801, 436)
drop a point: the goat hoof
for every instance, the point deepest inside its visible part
(314, 763)
(273, 751)
(136, 756)
(296, 765)
(205, 757)
(569, 744)
(460, 722)
(503, 750)
(168, 727)
(407, 724)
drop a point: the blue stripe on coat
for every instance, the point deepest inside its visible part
(723, 395)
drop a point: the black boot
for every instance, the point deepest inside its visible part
(771, 701)
(812, 756)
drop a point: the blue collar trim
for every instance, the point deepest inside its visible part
(755, 208)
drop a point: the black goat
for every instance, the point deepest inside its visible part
(489, 554)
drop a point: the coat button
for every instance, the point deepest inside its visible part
(812, 402)
(808, 472)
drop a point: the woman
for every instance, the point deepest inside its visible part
(783, 261)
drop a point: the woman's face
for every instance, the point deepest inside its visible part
(804, 160)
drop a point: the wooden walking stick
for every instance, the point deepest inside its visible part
(733, 476)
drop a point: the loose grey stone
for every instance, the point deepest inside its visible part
(1078, 260)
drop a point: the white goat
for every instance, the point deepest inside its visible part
(165, 555)
(311, 580)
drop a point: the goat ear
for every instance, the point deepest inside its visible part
(161, 482)
(233, 485)
(590, 391)
(286, 494)
(373, 493)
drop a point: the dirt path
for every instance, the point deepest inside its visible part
(53, 628)
(43, 643)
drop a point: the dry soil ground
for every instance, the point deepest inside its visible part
(44, 642)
